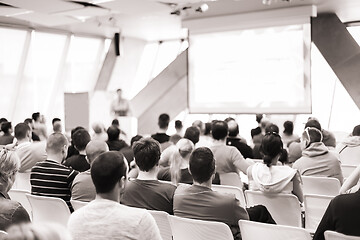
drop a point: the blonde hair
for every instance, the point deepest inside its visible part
(184, 149)
(9, 166)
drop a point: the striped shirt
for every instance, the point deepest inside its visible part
(51, 179)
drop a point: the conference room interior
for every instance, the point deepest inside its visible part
(289, 60)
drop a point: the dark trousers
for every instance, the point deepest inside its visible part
(259, 213)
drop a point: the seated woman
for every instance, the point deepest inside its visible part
(178, 171)
(10, 211)
(269, 176)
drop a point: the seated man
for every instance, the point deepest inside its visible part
(198, 201)
(29, 152)
(228, 158)
(49, 178)
(146, 191)
(114, 143)
(234, 140)
(316, 158)
(163, 123)
(7, 138)
(78, 162)
(342, 215)
(104, 217)
(82, 188)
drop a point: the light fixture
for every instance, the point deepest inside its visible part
(203, 8)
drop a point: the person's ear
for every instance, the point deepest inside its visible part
(122, 182)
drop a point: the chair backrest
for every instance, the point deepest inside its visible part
(315, 207)
(185, 228)
(49, 209)
(347, 169)
(349, 155)
(331, 235)
(163, 224)
(77, 204)
(284, 208)
(321, 185)
(231, 179)
(255, 231)
(22, 181)
(20, 196)
(239, 194)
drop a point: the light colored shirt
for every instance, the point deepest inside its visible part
(106, 219)
(29, 154)
(83, 188)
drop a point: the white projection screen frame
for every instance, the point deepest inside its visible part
(243, 71)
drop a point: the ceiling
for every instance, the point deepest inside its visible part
(146, 19)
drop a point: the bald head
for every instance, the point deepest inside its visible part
(94, 149)
(233, 128)
(56, 143)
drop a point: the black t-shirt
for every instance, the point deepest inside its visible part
(161, 137)
(149, 194)
(116, 145)
(243, 148)
(78, 163)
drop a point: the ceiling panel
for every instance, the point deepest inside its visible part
(136, 7)
(47, 20)
(9, 11)
(44, 6)
(86, 12)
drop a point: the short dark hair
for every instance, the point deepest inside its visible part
(259, 117)
(193, 134)
(219, 130)
(163, 120)
(21, 130)
(3, 120)
(202, 164)
(106, 171)
(115, 122)
(74, 130)
(356, 131)
(178, 124)
(288, 127)
(80, 139)
(28, 121)
(55, 120)
(35, 116)
(135, 139)
(147, 153)
(5, 127)
(233, 128)
(272, 128)
(207, 128)
(113, 133)
(313, 123)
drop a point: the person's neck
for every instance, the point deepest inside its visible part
(220, 141)
(113, 196)
(150, 175)
(162, 130)
(55, 157)
(207, 184)
(83, 152)
(24, 140)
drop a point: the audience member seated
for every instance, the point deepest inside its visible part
(316, 158)
(56, 125)
(30, 123)
(163, 123)
(179, 127)
(72, 150)
(269, 176)
(191, 133)
(198, 201)
(11, 212)
(288, 133)
(295, 150)
(128, 151)
(29, 152)
(178, 172)
(352, 183)
(38, 231)
(114, 143)
(146, 191)
(104, 217)
(2, 120)
(234, 140)
(99, 132)
(78, 162)
(82, 188)
(115, 122)
(6, 138)
(39, 127)
(228, 158)
(257, 131)
(205, 140)
(349, 148)
(50, 178)
(342, 215)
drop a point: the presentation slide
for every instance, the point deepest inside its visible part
(250, 71)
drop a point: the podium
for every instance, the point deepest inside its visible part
(129, 125)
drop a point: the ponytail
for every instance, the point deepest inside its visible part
(267, 160)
